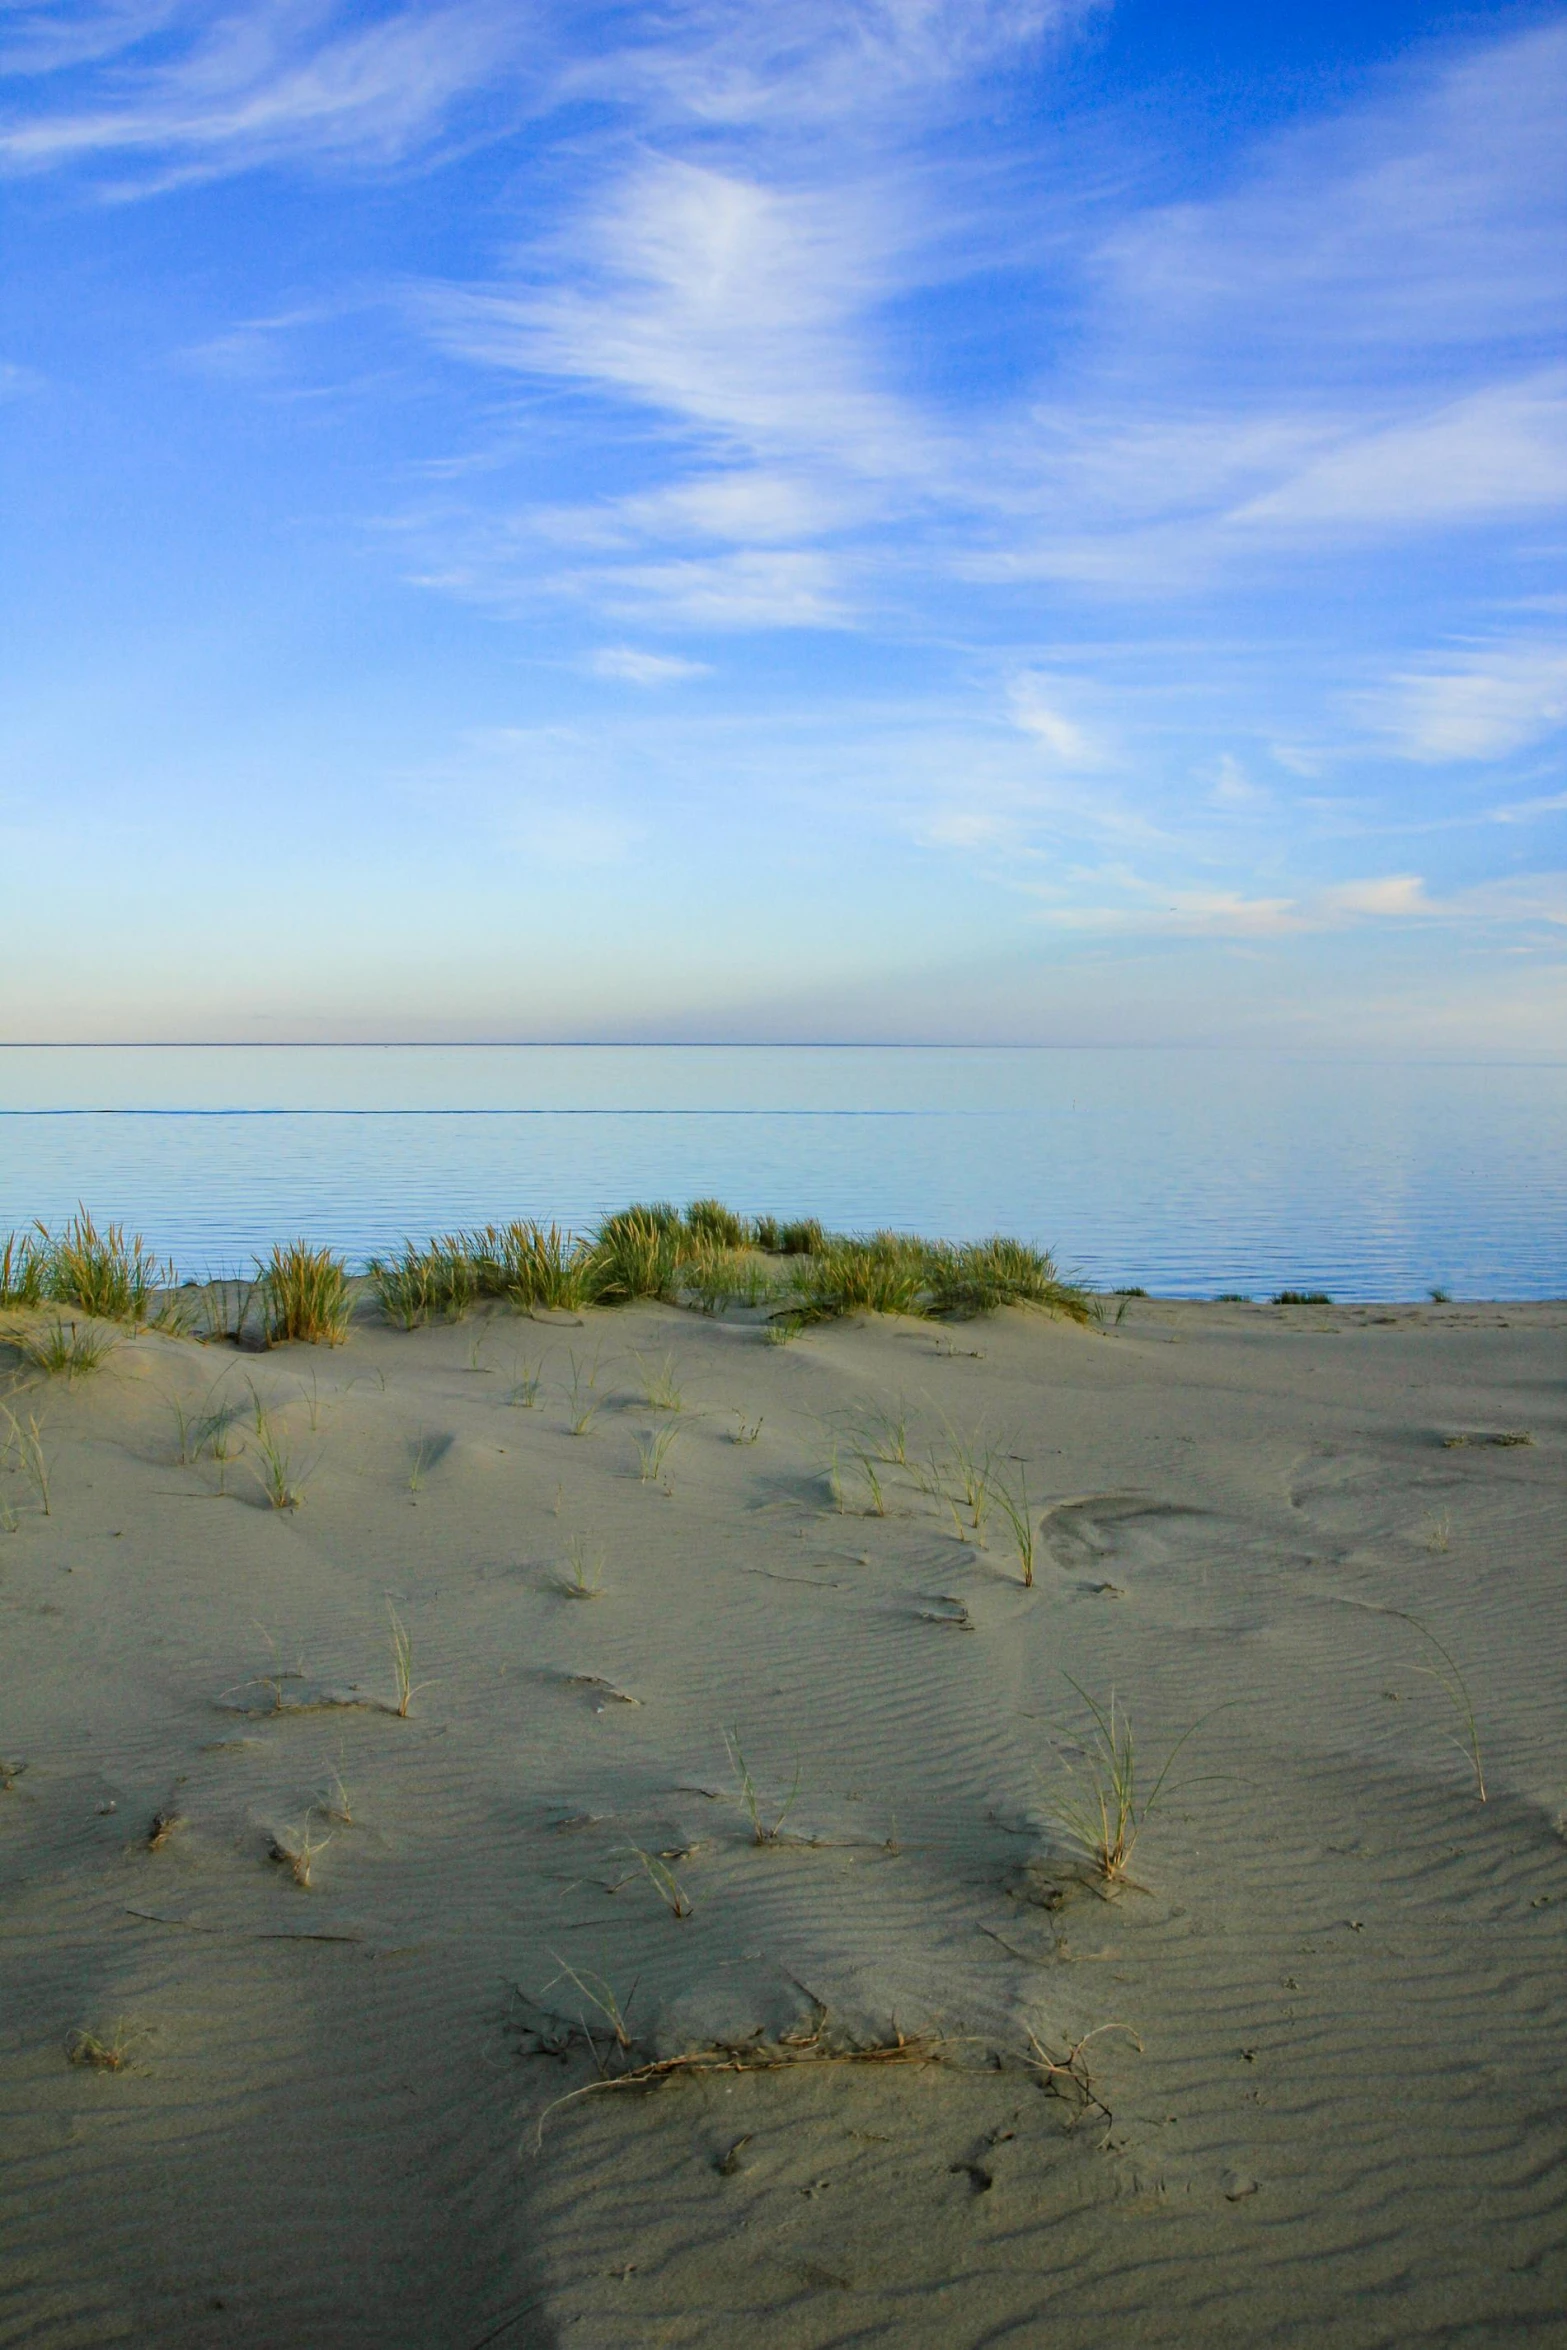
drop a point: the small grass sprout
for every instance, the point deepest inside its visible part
(427, 1451)
(523, 1393)
(279, 1479)
(1114, 1810)
(28, 1444)
(584, 1407)
(402, 1664)
(1301, 1297)
(765, 1829)
(745, 1431)
(660, 1387)
(1450, 1680)
(664, 1882)
(599, 1995)
(1439, 1531)
(298, 1851)
(586, 1580)
(1016, 1509)
(334, 1802)
(653, 1450)
(111, 2055)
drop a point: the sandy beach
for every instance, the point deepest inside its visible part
(744, 1752)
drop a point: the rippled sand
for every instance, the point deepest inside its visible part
(1334, 2108)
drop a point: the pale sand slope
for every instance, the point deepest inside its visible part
(1348, 2119)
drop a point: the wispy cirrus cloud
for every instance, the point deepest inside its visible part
(1483, 704)
(192, 91)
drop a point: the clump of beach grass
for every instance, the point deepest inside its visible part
(766, 1826)
(636, 1253)
(897, 1273)
(24, 1265)
(64, 1349)
(1301, 1297)
(106, 1275)
(708, 1220)
(421, 1285)
(523, 1392)
(305, 1295)
(533, 1266)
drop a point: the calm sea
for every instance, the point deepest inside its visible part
(1189, 1172)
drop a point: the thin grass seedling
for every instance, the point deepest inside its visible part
(878, 1498)
(1449, 1678)
(584, 1400)
(892, 1427)
(1015, 1508)
(279, 1480)
(32, 1458)
(764, 1830)
(1439, 1531)
(299, 1851)
(402, 1664)
(600, 1995)
(586, 1580)
(335, 1802)
(523, 1393)
(1106, 1824)
(660, 1387)
(664, 1882)
(653, 1450)
(745, 1431)
(427, 1451)
(99, 2055)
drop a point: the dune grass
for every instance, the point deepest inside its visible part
(64, 1349)
(586, 1579)
(100, 1272)
(24, 1263)
(709, 1220)
(1107, 1819)
(280, 1479)
(766, 1826)
(26, 1441)
(111, 2055)
(712, 1257)
(305, 1295)
(653, 1450)
(896, 1273)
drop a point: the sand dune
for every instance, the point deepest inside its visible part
(1322, 2087)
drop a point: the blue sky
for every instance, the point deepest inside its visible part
(1004, 519)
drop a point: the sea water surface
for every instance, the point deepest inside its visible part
(1188, 1172)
